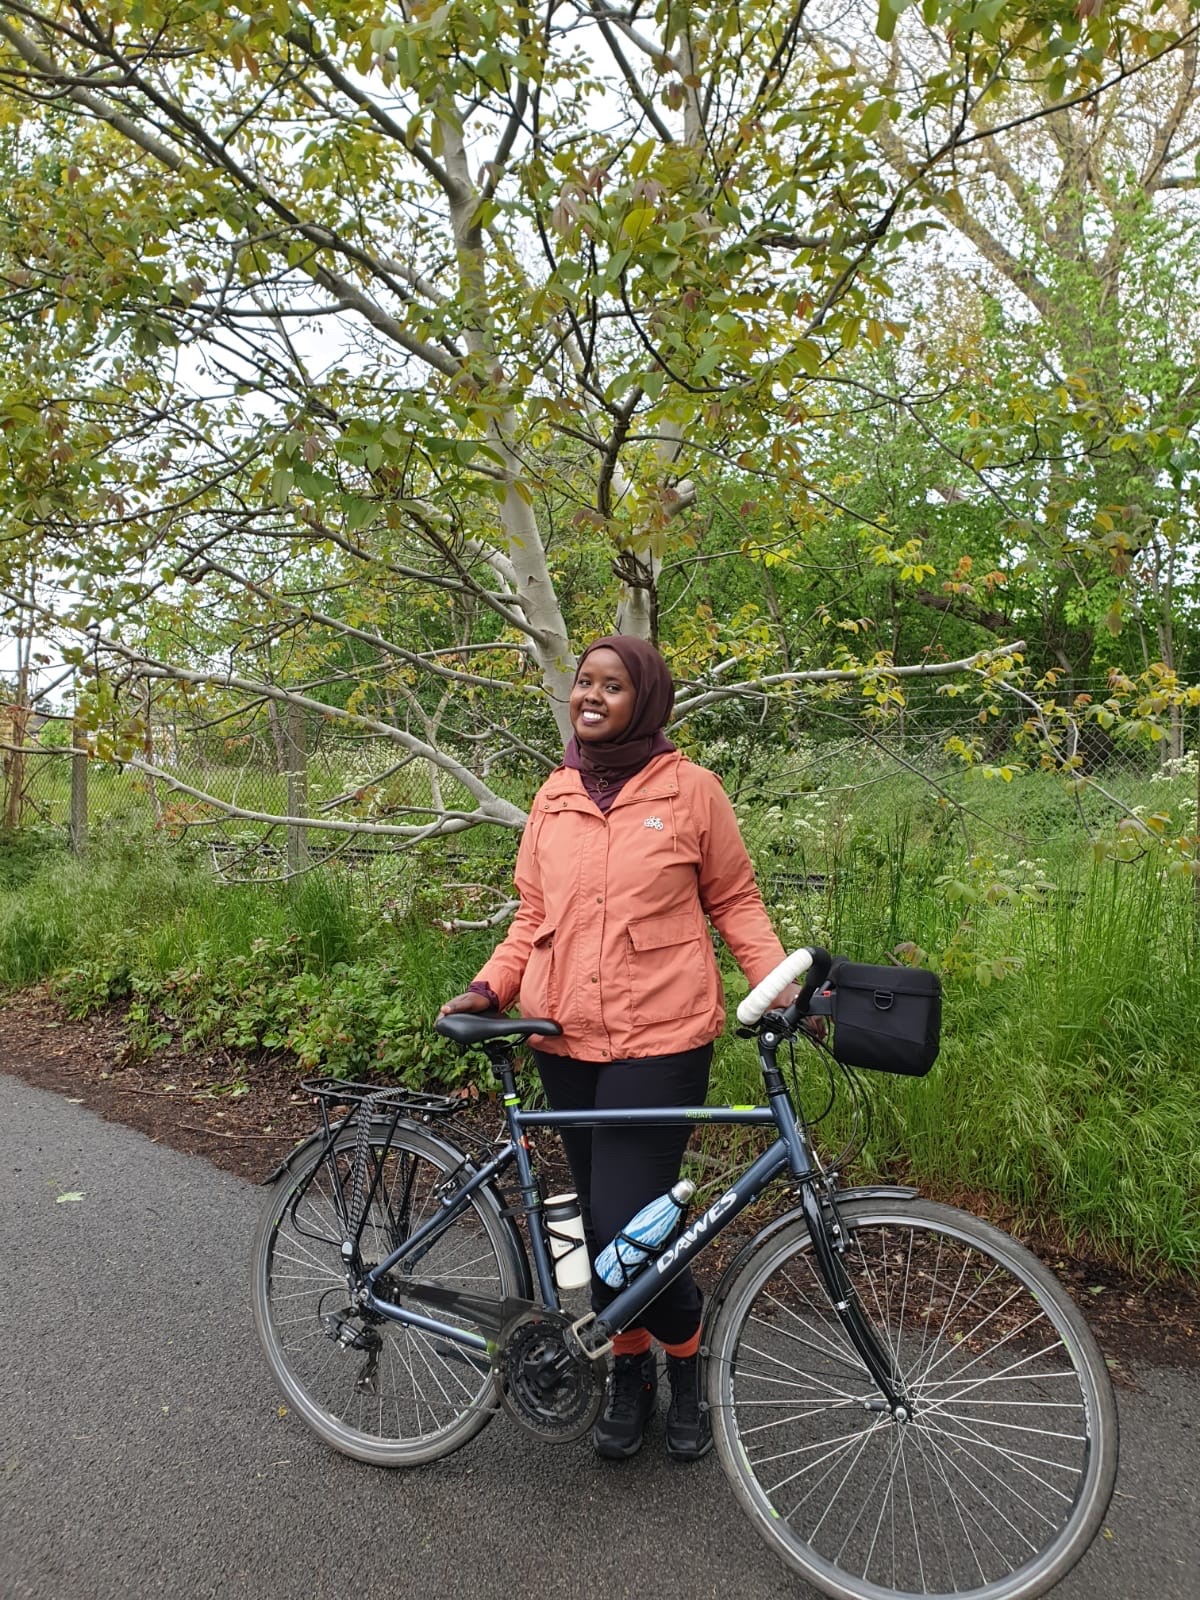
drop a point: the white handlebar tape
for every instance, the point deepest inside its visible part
(760, 997)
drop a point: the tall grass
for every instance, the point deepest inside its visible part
(133, 903)
(1067, 1083)
(1071, 1087)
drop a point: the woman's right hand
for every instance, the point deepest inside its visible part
(465, 1002)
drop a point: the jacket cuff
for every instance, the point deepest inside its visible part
(488, 993)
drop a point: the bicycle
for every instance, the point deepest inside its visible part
(904, 1399)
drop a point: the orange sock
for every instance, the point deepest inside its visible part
(633, 1342)
(689, 1347)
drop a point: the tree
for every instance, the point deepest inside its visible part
(1076, 373)
(452, 300)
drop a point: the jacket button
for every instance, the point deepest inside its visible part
(595, 979)
(599, 899)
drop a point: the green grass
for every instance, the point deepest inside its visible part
(1066, 1087)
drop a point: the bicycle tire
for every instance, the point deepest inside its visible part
(1000, 1480)
(426, 1397)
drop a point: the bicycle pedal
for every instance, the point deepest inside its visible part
(577, 1343)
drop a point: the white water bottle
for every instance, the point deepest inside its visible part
(641, 1236)
(564, 1228)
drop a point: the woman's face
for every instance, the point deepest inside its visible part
(602, 698)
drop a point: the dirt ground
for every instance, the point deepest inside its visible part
(244, 1117)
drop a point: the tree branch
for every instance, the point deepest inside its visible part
(686, 704)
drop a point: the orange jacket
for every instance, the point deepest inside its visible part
(610, 938)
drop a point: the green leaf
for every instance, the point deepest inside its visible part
(636, 222)
(710, 360)
(641, 156)
(872, 116)
(885, 23)
(808, 354)
(616, 264)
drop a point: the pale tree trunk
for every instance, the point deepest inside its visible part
(637, 609)
(526, 549)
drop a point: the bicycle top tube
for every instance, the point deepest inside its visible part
(661, 1116)
(496, 1036)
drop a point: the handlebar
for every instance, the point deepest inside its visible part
(760, 997)
(814, 961)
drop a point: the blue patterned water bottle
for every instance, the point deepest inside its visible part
(641, 1236)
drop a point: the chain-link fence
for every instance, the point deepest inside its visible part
(295, 795)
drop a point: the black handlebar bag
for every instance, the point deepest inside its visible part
(885, 1018)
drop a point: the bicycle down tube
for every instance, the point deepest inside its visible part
(789, 1152)
(630, 1302)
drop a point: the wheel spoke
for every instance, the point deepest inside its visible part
(406, 1395)
(989, 1480)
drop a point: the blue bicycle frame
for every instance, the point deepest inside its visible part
(789, 1152)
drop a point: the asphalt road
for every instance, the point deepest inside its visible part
(142, 1450)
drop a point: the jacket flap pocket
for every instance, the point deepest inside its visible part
(544, 935)
(655, 933)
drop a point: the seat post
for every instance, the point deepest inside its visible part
(501, 1058)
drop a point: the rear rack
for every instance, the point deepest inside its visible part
(334, 1092)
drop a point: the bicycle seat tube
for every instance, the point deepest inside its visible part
(500, 1056)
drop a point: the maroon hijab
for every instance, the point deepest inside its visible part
(605, 765)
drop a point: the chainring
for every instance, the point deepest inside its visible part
(547, 1389)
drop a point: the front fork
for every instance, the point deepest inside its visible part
(829, 1246)
(819, 1208)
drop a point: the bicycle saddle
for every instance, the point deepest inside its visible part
(470, 1027)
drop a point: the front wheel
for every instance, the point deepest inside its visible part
(372, 1388)
(998, 1478)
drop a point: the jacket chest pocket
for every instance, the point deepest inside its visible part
(670, 966)
(539, 992)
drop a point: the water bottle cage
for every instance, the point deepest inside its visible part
(572, 1241)
(649, 1255)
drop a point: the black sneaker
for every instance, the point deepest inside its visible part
(632, 1390)
(688, 1434)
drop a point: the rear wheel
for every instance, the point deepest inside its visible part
(997, 1481)
(372, 1388)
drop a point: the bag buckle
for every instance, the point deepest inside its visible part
(885, 999)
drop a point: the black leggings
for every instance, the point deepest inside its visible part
(618, 1170)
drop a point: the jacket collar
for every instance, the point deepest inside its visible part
(658, 780)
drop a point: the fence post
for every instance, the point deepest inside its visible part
(78, 827)
(297, 789)
(149, 753)
(14, 763)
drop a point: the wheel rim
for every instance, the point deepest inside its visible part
(984, 1490)
(405, 1389)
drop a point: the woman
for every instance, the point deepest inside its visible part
(628, 849)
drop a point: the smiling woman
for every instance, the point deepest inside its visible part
(602, 697)
(628, 850)
(618, 705)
